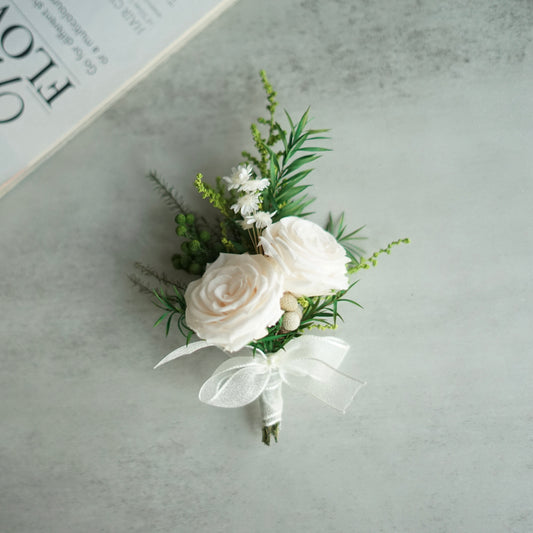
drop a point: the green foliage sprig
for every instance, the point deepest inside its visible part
(150, 272)
(198, 247)
(169, 297)
(366, 263)
(285, 195)
(214, 197)
(338, 230)
(173, 305)
(261, 143)
(271, 108)
(167, 193)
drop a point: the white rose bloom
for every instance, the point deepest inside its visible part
(235, 301)
(313, 262)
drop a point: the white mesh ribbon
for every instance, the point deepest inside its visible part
(308, 364)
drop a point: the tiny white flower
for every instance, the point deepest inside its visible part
(244, 224)
(255, 185)
(239, 176)
(246, 204)
(261, 219)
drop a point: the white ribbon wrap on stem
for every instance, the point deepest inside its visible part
(271, 401)
(308, 364)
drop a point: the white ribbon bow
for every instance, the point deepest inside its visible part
(308, 363)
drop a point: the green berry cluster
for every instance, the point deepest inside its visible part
(196, 249)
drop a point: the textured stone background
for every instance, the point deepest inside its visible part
(431, 116)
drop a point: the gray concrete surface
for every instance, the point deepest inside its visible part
(431, 115)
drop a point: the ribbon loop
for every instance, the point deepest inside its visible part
(183, 350)
(322, 381)
(236, 382)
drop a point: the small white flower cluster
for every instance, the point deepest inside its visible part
(249, 201)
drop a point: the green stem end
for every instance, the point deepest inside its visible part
(270, 431)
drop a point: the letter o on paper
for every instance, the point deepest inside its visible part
(17, 41)
(11, 107)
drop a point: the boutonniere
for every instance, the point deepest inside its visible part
(268, 278)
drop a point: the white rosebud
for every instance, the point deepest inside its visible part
(313, 262)
(291, 321)
(289, 302)
(235, 300)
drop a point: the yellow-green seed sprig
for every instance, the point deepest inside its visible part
(366, 263)
(215, 198)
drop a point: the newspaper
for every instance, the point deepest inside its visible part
(63, 61)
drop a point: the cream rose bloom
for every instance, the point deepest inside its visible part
(235, 301)
(313, 262)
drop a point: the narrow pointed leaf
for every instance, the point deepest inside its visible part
(302, 123)
(314, 149)
(297, 163)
